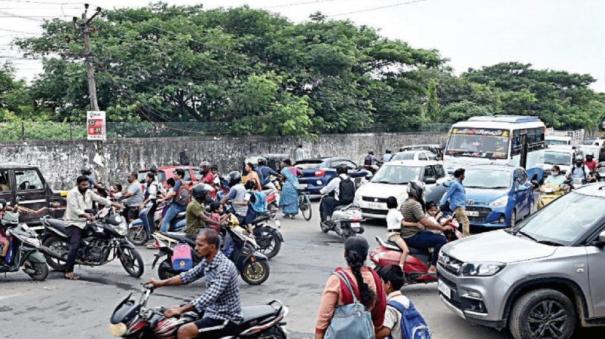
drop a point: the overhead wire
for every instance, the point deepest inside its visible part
(377, 8)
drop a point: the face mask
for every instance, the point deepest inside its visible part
(555, 173)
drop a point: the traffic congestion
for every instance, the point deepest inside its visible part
(482, 220)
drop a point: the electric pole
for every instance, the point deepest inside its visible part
(85, 29)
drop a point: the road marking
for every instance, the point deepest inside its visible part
(2, 297)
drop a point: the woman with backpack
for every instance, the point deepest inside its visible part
(356, 286)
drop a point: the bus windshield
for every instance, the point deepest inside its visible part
(479, 142)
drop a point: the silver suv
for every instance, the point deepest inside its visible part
(542, 279)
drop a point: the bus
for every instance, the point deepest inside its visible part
(504, 139)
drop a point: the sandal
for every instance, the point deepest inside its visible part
(71, 276)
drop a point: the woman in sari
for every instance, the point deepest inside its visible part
(289, 193)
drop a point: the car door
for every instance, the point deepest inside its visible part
(31, 190)
(431, 194)
(522, 193)
(422, 156)
(6, 186)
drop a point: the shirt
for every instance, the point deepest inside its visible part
(334, 186)
(237, 193)
(412, 211)
(265, 173)
(152, 191)
(555, 179)
(137, 196)
(221, 300)
(299, 154)
(194, 222)
(392, 317)
(209, 178)
(456, 195)
(394, 218)
(387, 157)
(77, 203)
(591, 165)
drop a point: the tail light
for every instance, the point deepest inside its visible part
(320, 173)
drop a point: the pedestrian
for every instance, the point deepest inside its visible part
(366, 283)
(288, 200)
(602, 153)
(455, 197)
(133, 198)
(388, 155)
(299, 154)
(79, 200)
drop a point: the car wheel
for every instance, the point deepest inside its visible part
(543, 313)
(513, 219)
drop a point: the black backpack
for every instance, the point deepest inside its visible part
(367, 161)
(346, 191)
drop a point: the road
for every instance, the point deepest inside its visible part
(58, 308)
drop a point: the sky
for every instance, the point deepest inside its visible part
(554, 34)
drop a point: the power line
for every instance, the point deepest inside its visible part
(371, 9)
(42, 2)
(17, 31)
(295, 4)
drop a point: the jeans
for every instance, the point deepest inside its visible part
(75, 235)
(426, 240)
(180, 225)
(327, 207)
(172, 211)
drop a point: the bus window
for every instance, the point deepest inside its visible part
(479, 142)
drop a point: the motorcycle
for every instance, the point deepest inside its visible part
(601, 171)
(23, 250)
(252, 265)
(102, 241)
(346, 221)
(138, 234)
(131, 319)
(550, 192)
(267, 237)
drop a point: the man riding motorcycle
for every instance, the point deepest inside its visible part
(265, 174)
(579, 171)
(344, 193)
(219, 305)
(237, 195)
(196, 217)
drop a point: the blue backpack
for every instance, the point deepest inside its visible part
(412, 323)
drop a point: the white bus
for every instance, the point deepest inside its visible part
(494, 139)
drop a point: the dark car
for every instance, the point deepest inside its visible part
(25, 185)
(316, 173)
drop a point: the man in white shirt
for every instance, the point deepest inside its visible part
(330, 202)
(299, 154)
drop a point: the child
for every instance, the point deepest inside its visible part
(394, 224)
(116, 191)
(434, 212)
(216, 214)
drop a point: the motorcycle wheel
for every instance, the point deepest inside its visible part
(268, 241)
(255, 272)
(40, 270)
(165, 270)
(132, 262)
(274, 332)
(57, 246)
(324, 227)
(138, 235)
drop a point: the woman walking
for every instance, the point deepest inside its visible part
(288, 200)
(366, 284)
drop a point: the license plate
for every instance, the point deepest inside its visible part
(444, 289)
(472, 213)
(355, 225)
(375, 205)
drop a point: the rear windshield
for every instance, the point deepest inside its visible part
(308, 164)
(161, 176)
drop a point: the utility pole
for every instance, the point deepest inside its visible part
(85, 29)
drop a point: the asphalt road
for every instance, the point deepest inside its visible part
(58, 308)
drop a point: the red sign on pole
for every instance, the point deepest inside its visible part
(95, 125)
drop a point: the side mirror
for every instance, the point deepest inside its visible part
(601, 238)
(430, 180)
(535, 183)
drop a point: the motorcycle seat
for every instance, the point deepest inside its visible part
(341, 207)
(57, 224)
(414, 250)
(261, 218)
(180, 237)
(257, 312)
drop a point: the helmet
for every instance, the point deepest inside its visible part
(153, 168)
(200, 191)
(262, 162)
(416, 189)
(86, 170)
(342, 169)
(204, 164)
(234, 178)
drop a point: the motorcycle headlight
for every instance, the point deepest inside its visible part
(481, 269)
(118, 330)
(121, 229)
(502, 201)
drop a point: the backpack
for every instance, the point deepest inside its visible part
(412, 323)
(346, 191)
(367, 161)
(351, 320)
(183, 196)
(259, 202)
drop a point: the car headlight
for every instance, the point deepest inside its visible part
(482, 269)
(502, 201)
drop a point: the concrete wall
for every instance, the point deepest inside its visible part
(60, 161)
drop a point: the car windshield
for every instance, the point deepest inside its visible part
(551, 142)
(160, 177)
(478, 142)
(487, 178)
(557, 158)
(554, 223)
(396, 174)
(409, 155)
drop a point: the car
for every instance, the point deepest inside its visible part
(560, 156)
(497, 196)
(552, 140)
(191, 177)
(317, 173)
(392, 179)
(593, 142)
(273, 160)
(433, 148)
(25, 185)
(418, 155)
(546, 274)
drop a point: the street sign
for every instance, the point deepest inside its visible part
(95, 125)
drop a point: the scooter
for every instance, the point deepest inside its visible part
(138, 234)
(252, 265)
(550, 192)
(132, 319)
(23, 250)
(346, 221)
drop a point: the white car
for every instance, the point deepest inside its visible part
(418, 155)
(560, 156)
(392, 179)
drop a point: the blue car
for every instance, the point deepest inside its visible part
(498, 196)
(316, 173)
